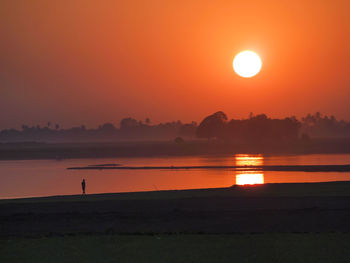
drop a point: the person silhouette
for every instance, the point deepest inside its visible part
(83, 186)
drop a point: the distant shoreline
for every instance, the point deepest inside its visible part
(61, 151)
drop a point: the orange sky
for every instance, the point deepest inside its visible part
(89, 62)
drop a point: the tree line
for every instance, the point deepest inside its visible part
(129, 129)
(255, 128)
(215, 126)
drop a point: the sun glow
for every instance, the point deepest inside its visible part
(247, 64)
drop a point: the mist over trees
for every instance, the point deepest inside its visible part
(216, 126)
(130, 130)
(323, 126)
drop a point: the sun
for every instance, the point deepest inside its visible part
(247, 64)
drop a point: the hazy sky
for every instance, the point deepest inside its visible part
(89, 62)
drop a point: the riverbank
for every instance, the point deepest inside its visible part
(305, 222)
(270, 208)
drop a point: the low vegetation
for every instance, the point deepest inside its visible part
(255, 248)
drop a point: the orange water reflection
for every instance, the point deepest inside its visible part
(50, 177)
(246, 176)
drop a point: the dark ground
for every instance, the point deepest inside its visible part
(254, 248)
(266, 223)
(271, 208)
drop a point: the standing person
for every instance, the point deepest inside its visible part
(83, 186)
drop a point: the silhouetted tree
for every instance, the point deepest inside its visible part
(212, 126)
(128, 123)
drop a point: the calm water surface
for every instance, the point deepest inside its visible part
(50, 177)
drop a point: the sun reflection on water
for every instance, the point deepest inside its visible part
(248, 159)
(249, 178)
(246, 176)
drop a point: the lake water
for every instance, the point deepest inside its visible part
(27, 178)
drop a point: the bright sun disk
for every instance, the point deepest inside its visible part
(247, 64)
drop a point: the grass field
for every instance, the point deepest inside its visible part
(256, 248)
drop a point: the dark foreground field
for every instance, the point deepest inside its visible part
(266, 223)
(320, 207)
(255, 248)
